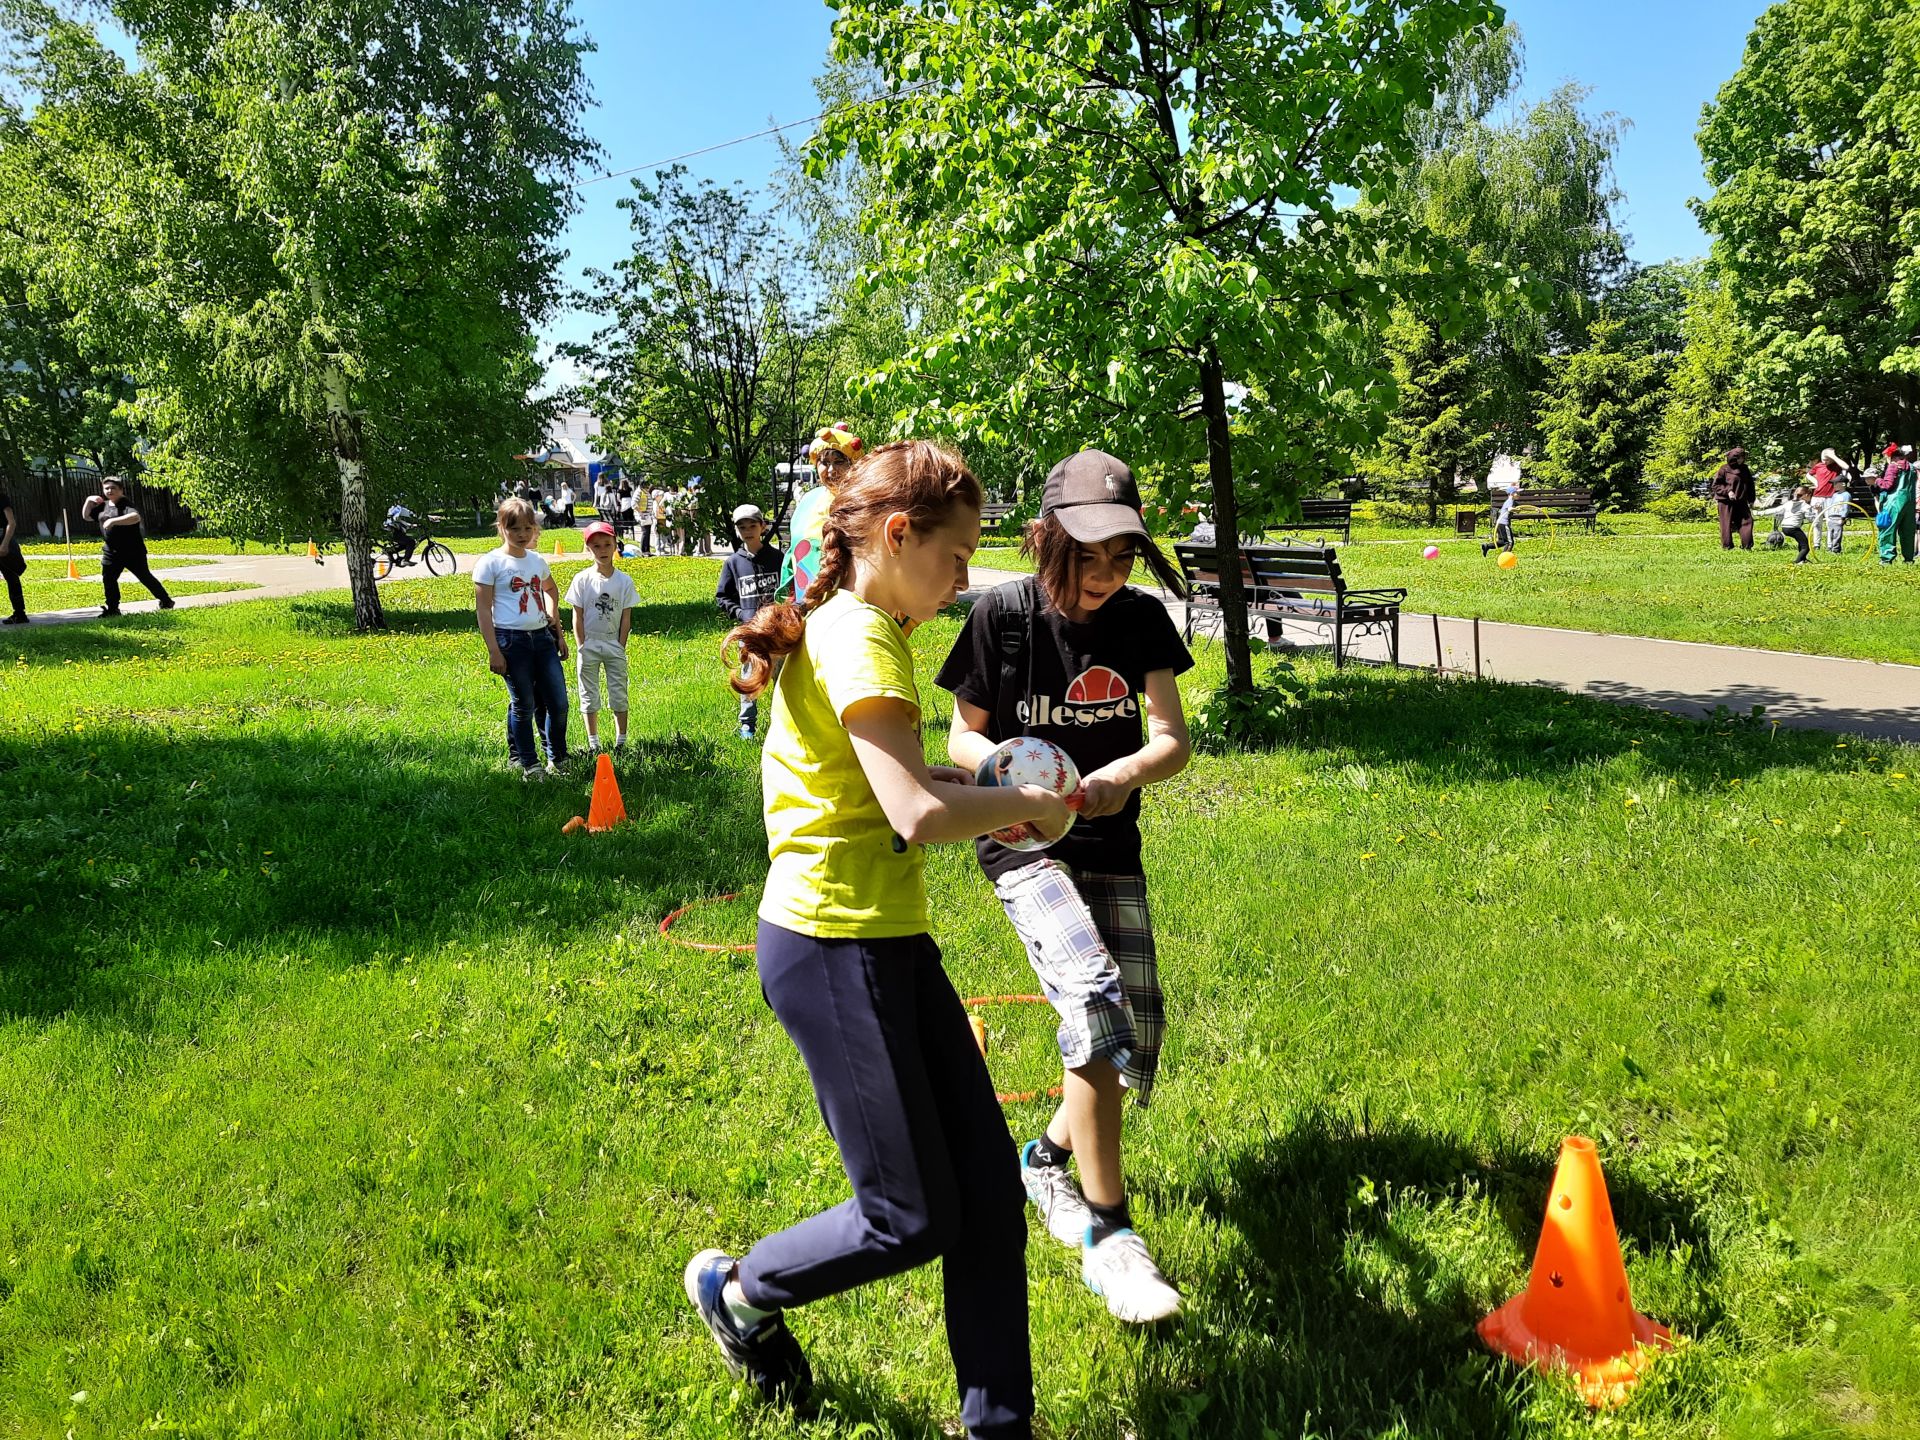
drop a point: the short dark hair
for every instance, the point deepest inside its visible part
(1056, 561)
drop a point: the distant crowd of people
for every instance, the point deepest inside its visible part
(1814, 513)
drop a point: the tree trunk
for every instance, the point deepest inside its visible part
(1226, 524)
(343, 426)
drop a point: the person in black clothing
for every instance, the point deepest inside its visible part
(12, 563)
(748, 579)
(124, 544)
(1733, 492)
(1076, 656)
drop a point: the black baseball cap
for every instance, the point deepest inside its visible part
(1093, 497)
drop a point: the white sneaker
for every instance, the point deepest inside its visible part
(620, 742)
(1056, 1197)
(534, 772)
(1122, 1273)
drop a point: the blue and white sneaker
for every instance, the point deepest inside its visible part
(767, 1355)
(1062, 1207)
(1120, 1271)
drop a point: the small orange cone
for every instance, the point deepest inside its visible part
(313, 552)
(608, 809)
(558, 548)
(1575, 1313)
(979, 1031)
(73, 570)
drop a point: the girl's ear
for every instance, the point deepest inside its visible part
(895, 532)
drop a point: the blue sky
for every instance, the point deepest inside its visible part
(671, 77)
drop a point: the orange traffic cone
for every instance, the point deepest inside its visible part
(73, 570)
(979, 1031)
(558, 548)
(1575, 1313)
(608, 809)
(313, 552)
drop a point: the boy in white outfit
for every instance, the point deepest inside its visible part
(602, 600)
(1834, 520)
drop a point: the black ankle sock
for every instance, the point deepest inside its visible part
(1045, 1152)
(1109, 1218)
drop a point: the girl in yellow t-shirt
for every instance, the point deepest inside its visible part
(846, 962)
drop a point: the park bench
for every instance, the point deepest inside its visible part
(1575, 502)
(1301, 583)
(994, 512)
(1324, 516)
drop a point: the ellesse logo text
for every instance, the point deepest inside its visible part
(1044, 710)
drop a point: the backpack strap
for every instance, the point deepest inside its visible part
(1013, 636)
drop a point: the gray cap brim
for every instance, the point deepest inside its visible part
(1091, 523)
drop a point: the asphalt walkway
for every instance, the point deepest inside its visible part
(1862, 697)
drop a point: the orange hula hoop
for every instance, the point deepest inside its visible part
(974, 1002)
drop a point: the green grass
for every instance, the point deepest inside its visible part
(1673, 584)
(340, 1094)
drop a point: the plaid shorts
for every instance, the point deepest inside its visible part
(1090, 941)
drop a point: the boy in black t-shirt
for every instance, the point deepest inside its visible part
(1076, 656)
(12, 563)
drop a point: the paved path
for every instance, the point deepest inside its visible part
(1804, 691)
(271, 576)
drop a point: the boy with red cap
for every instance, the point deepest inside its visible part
(602, 600)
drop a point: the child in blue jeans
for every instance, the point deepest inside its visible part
(518, 610)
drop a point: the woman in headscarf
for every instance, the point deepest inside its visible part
(832, 454)
(1733, 492)
(1895, 520)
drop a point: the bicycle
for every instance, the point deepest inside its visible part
(390, 555)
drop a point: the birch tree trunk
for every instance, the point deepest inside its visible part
(343, 428)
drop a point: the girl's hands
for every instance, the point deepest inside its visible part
(1050, 816)
(951, 774)
(497, 663)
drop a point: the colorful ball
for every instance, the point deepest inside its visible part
(1025, 760)
(1432, 552)
(1508, 560)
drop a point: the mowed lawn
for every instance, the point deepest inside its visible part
(342, 1095)
(1676, 584)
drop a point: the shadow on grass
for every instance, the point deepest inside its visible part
(132, 636)
(1453, 731)
(1359, 1257)
(141, 864)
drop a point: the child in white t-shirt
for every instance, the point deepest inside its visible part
(518, 610)
(602, 600)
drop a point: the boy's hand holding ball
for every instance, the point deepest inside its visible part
(1102, 795)
(90, 506)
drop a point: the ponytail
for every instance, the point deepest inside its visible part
(918, 478)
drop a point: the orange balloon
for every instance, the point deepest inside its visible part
(1508, 560)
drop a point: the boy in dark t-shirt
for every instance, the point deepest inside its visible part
(1076, 656)
(12, 563)
(748, 579)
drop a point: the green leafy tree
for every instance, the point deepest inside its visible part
(55, 403)
(715, 357)
(319, 233)
(1598, 413)
(1810, 152)
(1434, 433)
(1148, 205)
(1705, 410)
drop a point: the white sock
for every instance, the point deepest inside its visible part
(744, 1315)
